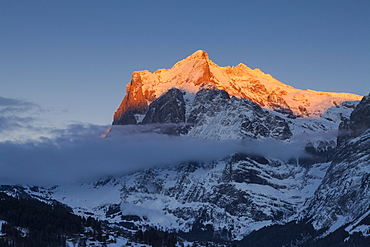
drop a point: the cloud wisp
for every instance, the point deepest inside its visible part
(15, 114)
(21, 120)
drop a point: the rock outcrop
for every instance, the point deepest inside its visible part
(169, 108)
(358, 123)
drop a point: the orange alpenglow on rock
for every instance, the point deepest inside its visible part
(197, 71)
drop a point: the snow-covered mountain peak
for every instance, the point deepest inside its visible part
(193, 72)
(199, 54)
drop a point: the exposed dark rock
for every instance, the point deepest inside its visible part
(203, 99)
(127, 118)
(323, 151)
(358, 123)
(169, 108)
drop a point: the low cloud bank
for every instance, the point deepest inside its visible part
(78, 154)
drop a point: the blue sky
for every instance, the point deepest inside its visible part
(74, 58)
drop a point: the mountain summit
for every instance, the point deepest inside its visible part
(198, 71)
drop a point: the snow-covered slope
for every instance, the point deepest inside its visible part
(197, 70)
(223, 199)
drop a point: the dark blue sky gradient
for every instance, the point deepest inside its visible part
(74, 58)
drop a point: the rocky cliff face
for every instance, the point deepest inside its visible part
(197, 70)
(225, 199)
(343, 195)
(169, 108)
(135, 101)
(358, 122)
(212, 114)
